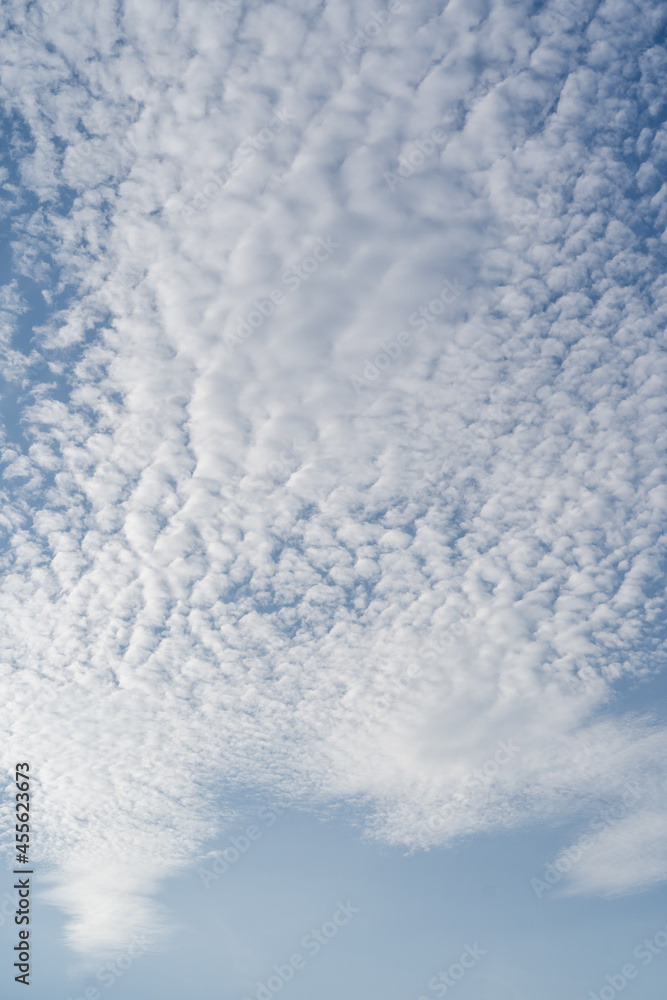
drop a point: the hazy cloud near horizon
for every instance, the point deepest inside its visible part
(253, 536)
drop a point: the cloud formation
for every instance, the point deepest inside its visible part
(481, 528)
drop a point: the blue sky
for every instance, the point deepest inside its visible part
(333, 472)
(416, 914)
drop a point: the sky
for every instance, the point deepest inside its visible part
(333, 497)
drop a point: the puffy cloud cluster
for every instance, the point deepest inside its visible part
(217, 563)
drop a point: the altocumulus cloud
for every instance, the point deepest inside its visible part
(499, 498)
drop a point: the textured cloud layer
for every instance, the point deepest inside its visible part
(338, 456)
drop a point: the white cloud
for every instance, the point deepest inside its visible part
(174, 607)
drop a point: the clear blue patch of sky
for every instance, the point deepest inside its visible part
(416, 914)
